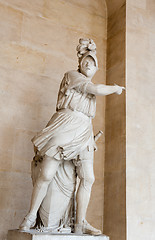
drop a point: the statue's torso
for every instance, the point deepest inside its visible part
(72, 94)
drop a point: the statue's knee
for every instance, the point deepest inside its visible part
(45, 177)
(88, 181)
(91, 179)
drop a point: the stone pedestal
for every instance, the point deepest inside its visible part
(33, 235)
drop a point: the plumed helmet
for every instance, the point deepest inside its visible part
(86, 48)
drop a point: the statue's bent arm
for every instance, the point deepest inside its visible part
(103, 90)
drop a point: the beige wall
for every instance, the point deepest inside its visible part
(130, 169)
(115, 124)
(140, 77)
(38, 42)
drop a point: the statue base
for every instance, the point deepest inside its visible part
(34, 235)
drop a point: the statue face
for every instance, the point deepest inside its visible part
(88, 67)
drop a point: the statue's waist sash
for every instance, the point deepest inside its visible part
(76, 114)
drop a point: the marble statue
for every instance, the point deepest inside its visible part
(64, 149)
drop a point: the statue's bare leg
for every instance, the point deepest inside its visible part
(86, 175)
(48, 170)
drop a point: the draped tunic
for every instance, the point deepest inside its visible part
(69, 131)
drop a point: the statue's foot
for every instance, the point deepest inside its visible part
(86, 228)
(28, 222)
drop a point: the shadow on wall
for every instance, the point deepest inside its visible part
(115, 135)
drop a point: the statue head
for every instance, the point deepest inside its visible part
(88, 64)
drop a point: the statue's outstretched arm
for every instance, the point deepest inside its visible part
(102, 90)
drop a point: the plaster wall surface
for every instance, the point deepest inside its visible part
(140, 74)
(38, 45)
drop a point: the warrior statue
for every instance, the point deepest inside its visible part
(65, 148)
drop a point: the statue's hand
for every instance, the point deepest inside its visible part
(119, 89)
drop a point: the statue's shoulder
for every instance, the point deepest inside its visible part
(74, 79)
(72, 74)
